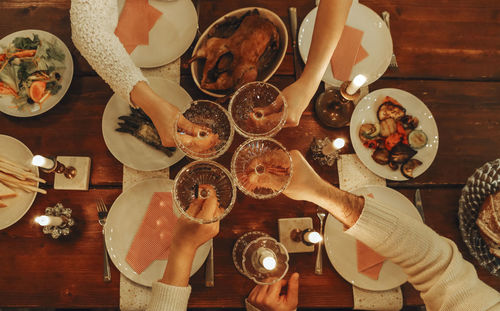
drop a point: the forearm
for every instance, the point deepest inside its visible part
(179, 265)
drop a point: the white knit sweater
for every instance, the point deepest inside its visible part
(433, 263)
(93, 24)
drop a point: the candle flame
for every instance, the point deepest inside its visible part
(339, 143)
(42, 220)
(269, 263)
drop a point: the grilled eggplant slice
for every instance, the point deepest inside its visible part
(390, 110)
(408, 167)
(381, 156)
(387, 127)
(401, 153)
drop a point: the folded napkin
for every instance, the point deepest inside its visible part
(152, 240)
(136, 20)
(347, 53)
(369, 262)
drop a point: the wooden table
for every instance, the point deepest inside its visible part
(449, 57)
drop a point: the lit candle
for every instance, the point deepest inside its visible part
(266, 258)
(313, 237)
(43, 162)
(339, 143)
(356, 83)
(49, 220)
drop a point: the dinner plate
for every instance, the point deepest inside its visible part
(6, 105)
(366, 112)
(124, 219)
(341, 247)
(264, 74)
(129, 150)
(484, 181)
(15, 151)
(376, 40)
(171, 35)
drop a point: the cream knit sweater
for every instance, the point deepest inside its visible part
(433, 263)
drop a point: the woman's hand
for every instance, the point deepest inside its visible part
(298, 95)
(268, 298)
(196, 137)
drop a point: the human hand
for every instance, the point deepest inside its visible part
(305, 183)
(268, 298)
(297, 95)
(270, 170)
(196, 137)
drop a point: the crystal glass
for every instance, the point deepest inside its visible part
(258, 109)
(209, 134)
(262, 168)
(261, 258)
(192, 182)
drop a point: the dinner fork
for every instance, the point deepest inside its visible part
(318, 269)
(393, 64)
(102, 214)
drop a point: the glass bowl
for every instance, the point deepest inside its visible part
(261, 167)
(192, 182)
(209, 134)
(258, 109)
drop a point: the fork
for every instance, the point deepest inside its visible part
(102, 214)
(393, 64)
(318, 269)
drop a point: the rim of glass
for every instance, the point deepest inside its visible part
(228, 175)
(201, 155)
(280, 245)
(235, 177)
(272, 131)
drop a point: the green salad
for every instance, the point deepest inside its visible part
(31, 71)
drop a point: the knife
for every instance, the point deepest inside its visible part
(418, 204)
(292, 12)
(209, 269)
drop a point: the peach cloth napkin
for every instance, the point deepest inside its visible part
(152, 240)
(347, 53)
(136, 20)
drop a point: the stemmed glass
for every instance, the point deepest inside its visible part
(261, 258)
(209, 132)
(195, 180)
(258, 109)
(262, 168)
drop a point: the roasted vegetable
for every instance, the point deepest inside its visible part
(408, 167)
(401, 153)
(368, 131)
(140, 125)
(392, 141)
(393, 166)
(381, 156)
(387, 127)
(409, 122)
(390, 110)
(417, 139)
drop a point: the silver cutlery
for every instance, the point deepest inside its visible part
(418, 204)
(318, 269)
(393, 64)
(102, 214)
(292, 12)
(209, 268)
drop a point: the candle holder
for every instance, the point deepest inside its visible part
(334, 107)
(326, 151)
(63, 228)
(260, 257)
(59, 168)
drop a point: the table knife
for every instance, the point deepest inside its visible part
(418, 204)
(209, 269)
(292, 12)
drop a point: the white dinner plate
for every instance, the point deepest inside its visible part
(129, 150)
(341, 247)
(366, 112)
(6, 105)
(124, 219)
(15, 151)
(376, 40)
(171, 35)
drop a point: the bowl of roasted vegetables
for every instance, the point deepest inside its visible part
(36, 69)
(242, 46)
(394, 134)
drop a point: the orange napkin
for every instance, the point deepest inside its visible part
(136, 20)
(347, 53)
(369, 262)
(152, 240)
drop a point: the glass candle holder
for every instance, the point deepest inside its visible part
(258, 109)
(260, 257)
(209, 132)
(261, 167)
(196, 180)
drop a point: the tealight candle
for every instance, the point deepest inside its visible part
(266, 258)
(49, 220)
(313, 237)
(356, 83)
(339, 143)
(43, 162)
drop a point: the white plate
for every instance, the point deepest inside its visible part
(67, 75)
(15, 151)
(366, 112)
(129, 150)
(376, 40)
(171, 35)
(124, 219)
(341, 247)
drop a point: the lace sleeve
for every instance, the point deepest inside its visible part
(92, 25)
